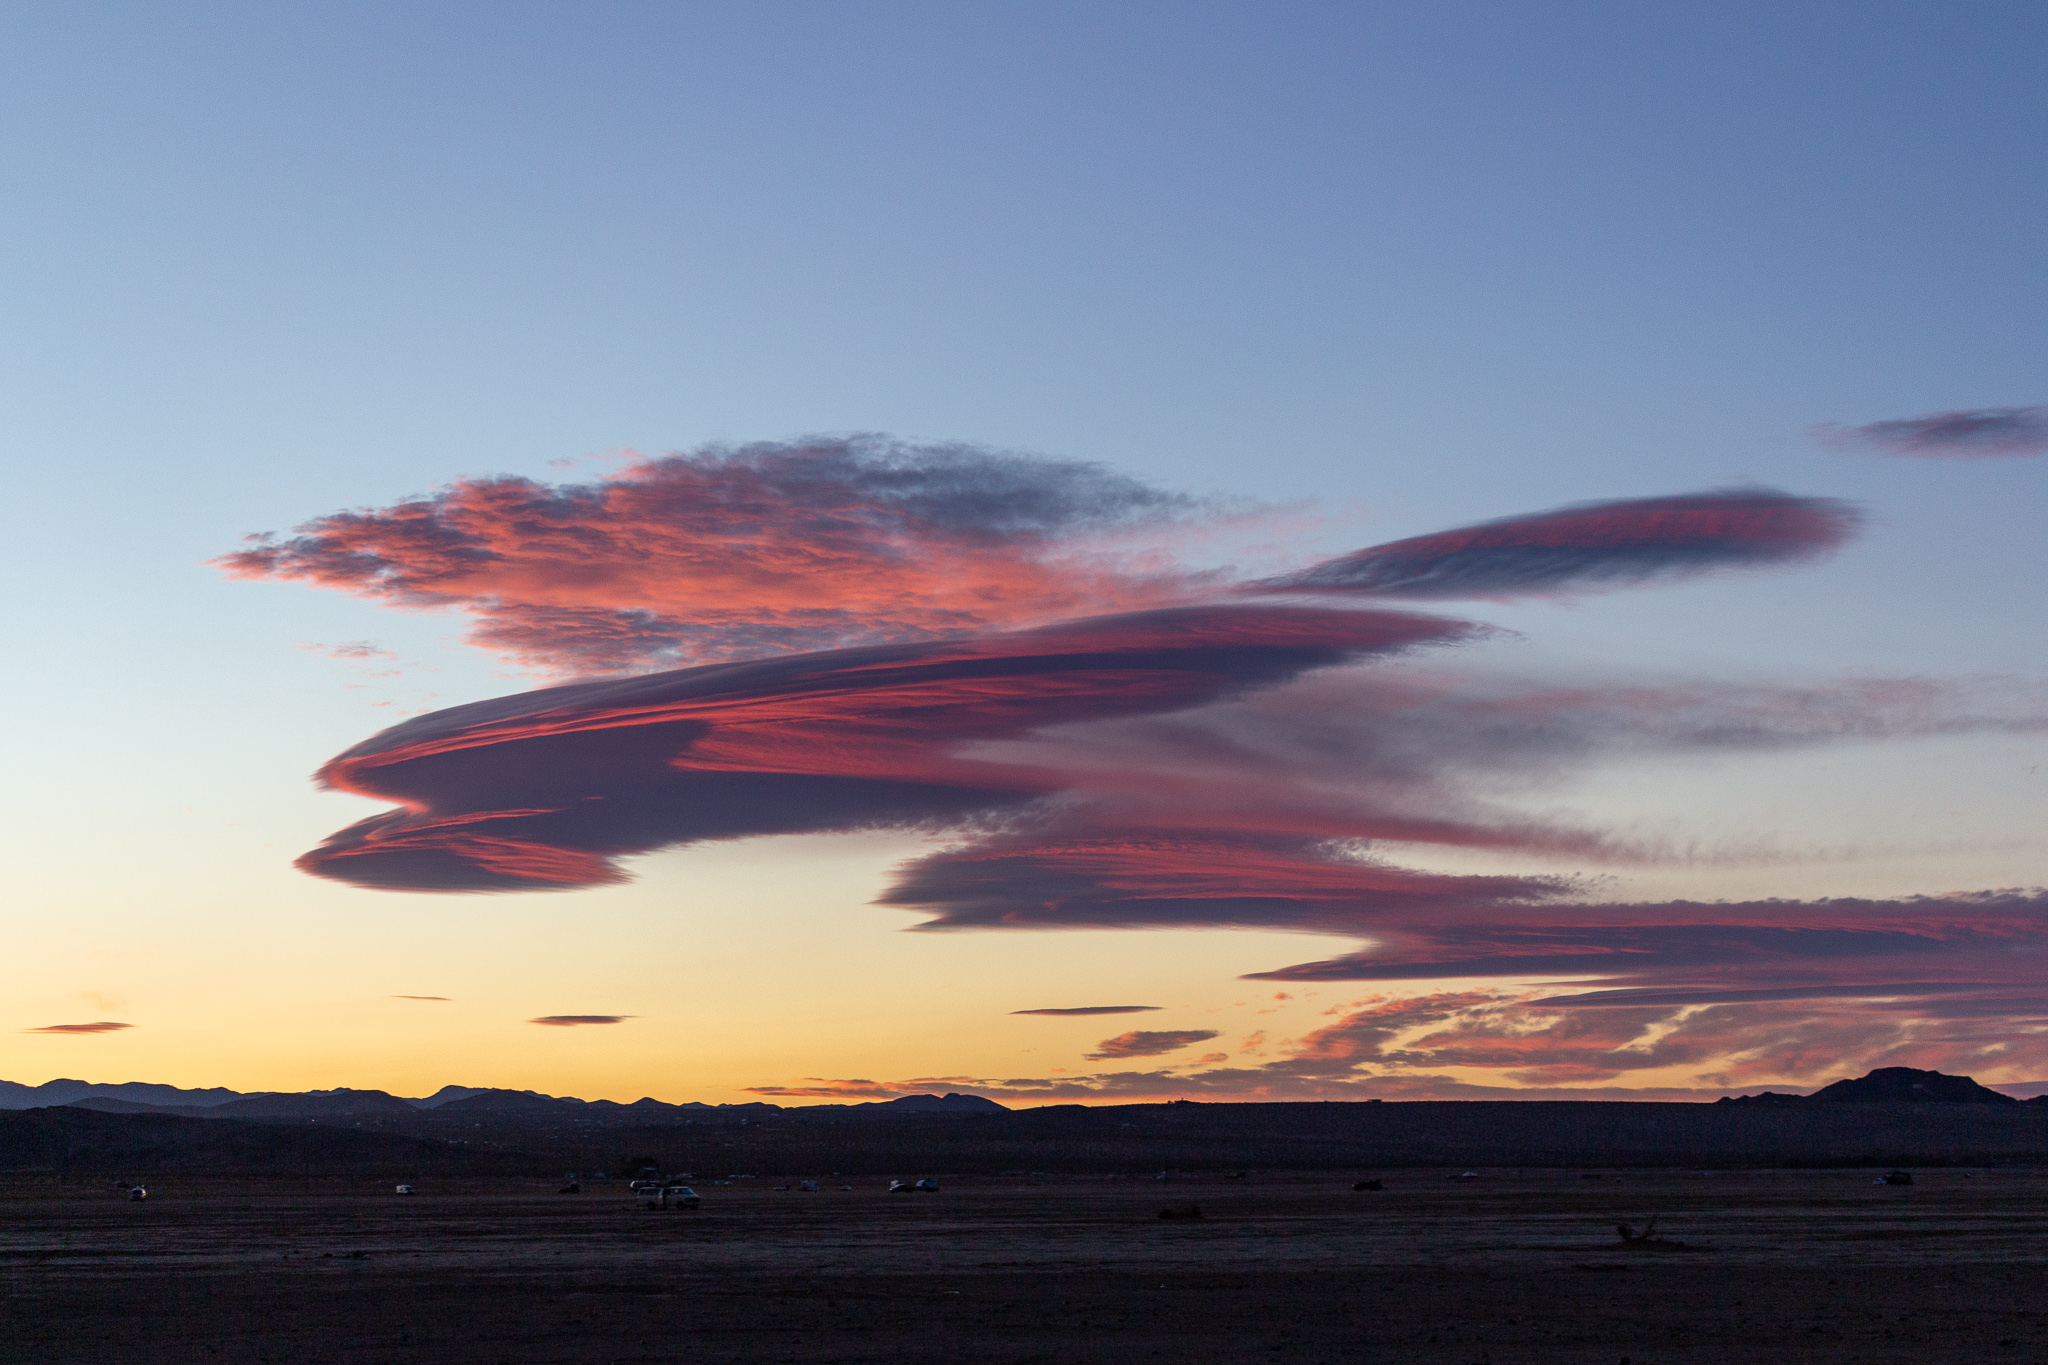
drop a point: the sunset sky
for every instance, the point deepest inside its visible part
(1056, 551)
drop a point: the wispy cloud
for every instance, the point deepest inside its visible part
(1149, 1043)
(1094, 1009)
(355, 649)
(819, 1088)
(420, 997)
(1969, 434)
(722, 553)
(578, 1020)
(101, 1026)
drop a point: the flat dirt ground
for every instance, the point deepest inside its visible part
(1791, 1266)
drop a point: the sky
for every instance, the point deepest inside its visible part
(1081, 552)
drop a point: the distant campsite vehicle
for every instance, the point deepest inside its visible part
(405, 1189)
(807, 1186)
(1896, 1178)
(926, 1186)
(137, 1195)
(672, 1197)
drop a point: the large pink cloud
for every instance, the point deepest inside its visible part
(735, 553)
(1181, 764)
(546, 789)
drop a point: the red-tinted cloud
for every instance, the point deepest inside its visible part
(1973, 434)
(1149, 1043)
(546, 789)
(578, 1020)
(102, 1026)
(1185, 878)
(1597, 545)
(1094, 1009)
(762, 549)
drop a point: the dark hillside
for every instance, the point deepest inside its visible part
(1906, 1085)
(68, 1140)
(1337, 1136)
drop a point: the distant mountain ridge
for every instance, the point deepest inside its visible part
(139, 1097)
(1892, 1084)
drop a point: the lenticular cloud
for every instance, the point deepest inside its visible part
(1004, 652)
(545, 789)
(1595, 545)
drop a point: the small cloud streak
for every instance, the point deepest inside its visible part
(821, 1088)
(102, 1026)
(1970, 434)
(577, 1020)
(1095, 1009)
(356, 649)
(1587, 547)
(1144, 1043)
(420, 997)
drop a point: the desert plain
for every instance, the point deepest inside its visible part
(1510, 1266)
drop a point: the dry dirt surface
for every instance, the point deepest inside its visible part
(1802, 1266)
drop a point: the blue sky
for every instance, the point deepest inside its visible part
(1421, 264)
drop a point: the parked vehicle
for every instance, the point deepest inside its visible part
(405, 1189)
(673, 1197)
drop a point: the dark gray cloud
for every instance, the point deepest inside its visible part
(578, 1020)
(1591, 545)
(1971, 434)
(101, 1026)
(1149, 1043)
(1094, 1009)
(1809, 949)
(544, 790)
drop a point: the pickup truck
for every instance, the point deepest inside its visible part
(671, 1197)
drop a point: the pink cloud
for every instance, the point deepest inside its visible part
(102, 1026)
(731, 553)
(1574, 549)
